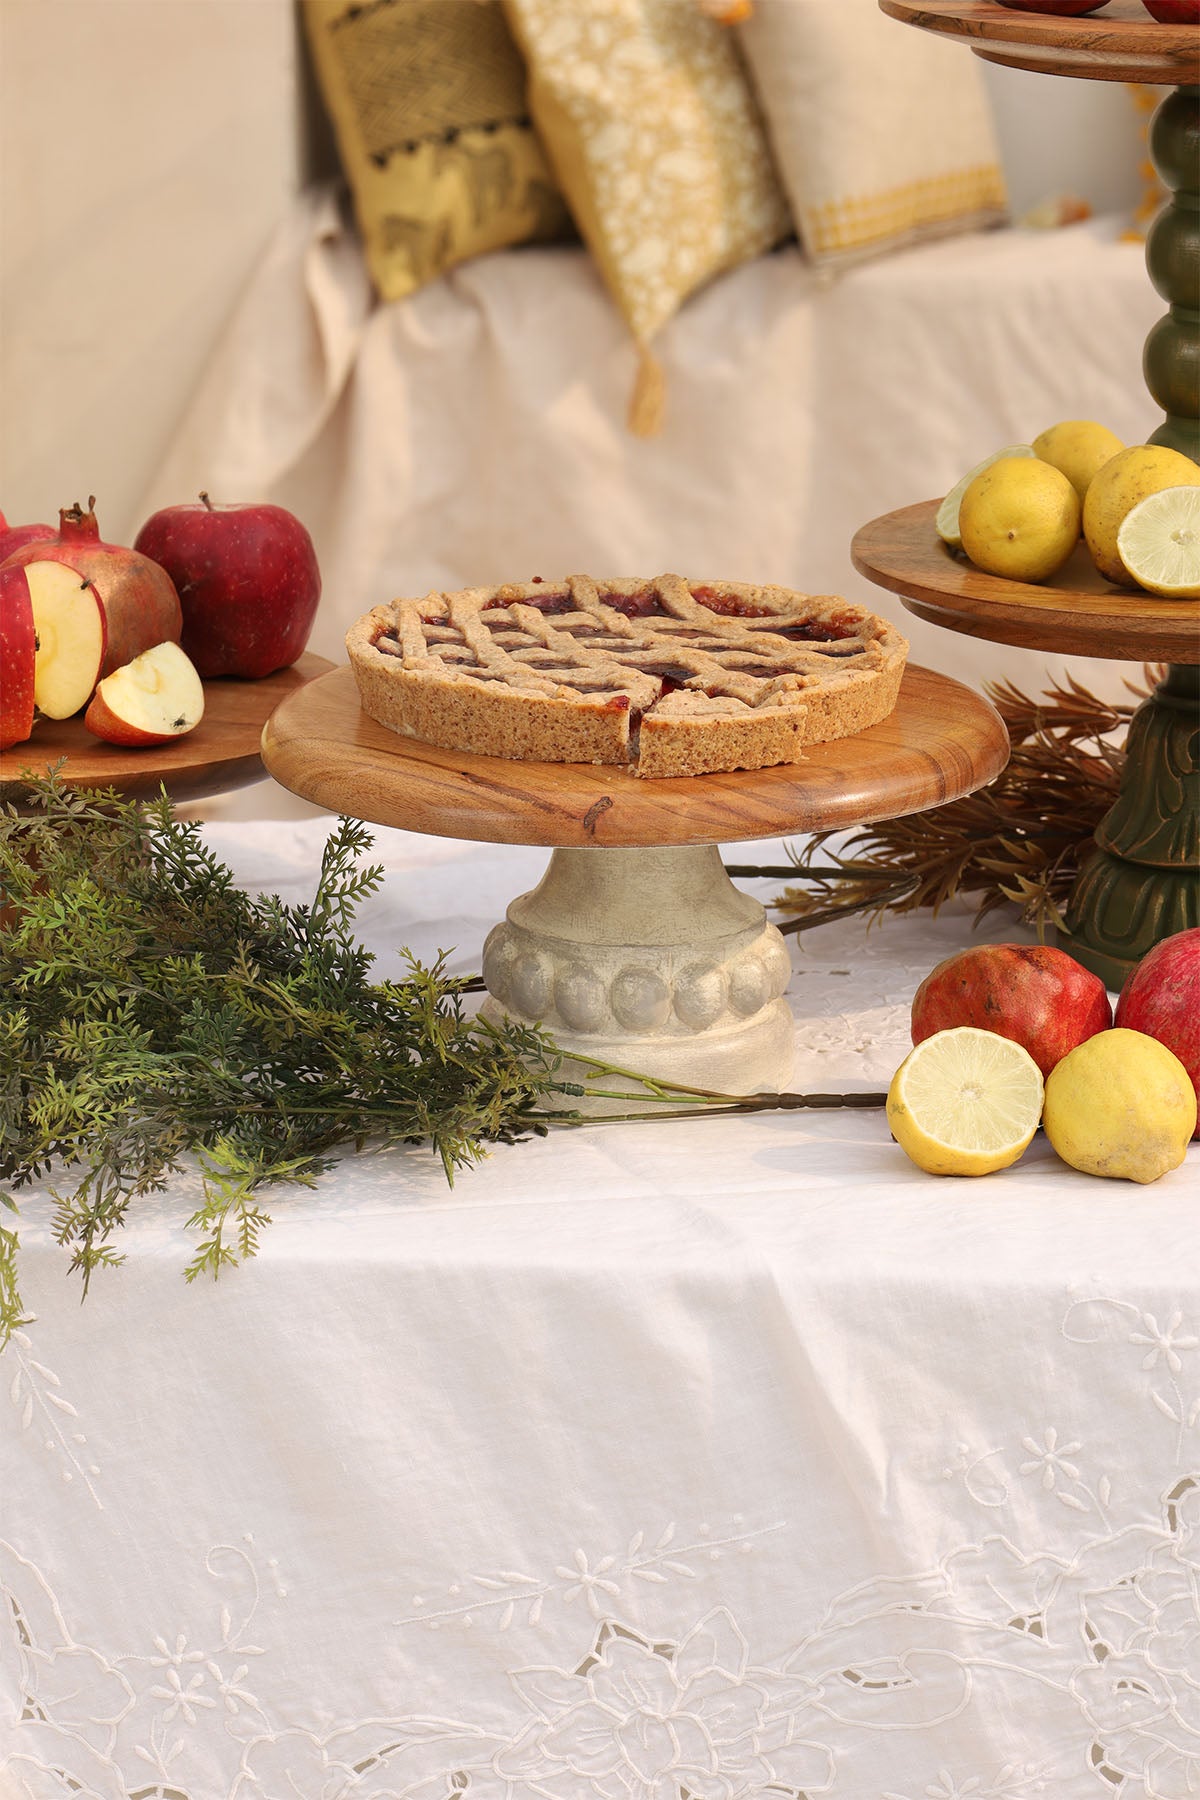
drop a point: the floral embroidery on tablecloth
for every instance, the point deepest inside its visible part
(635, 1680)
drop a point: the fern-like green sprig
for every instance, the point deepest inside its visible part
(153, 1011)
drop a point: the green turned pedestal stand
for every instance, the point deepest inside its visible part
(1142, 882)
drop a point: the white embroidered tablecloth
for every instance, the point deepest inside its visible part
(718, 1460)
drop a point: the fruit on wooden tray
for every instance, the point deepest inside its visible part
(18, 641)
(947, 514)
(1126, 479)
(1079, 448)
(1020, 519)
(1120, 1105)
(1173, 12)
(70, 626)
(151, 700)
(248, 583)
(14, 537)
(965, 1102)
(1159, 543)
(1161, 998)
(1034, 994)
(140, 603)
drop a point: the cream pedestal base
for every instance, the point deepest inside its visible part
(651, 959)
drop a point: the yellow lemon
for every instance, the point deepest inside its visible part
(1078, 448)
(1159, 543)
(947, 513)
(965, 1102)
(1130, 476)
(1020, 519)
(1120, 1104)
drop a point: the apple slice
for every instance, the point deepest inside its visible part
(154, 698)
(68, 617)
(18, 649)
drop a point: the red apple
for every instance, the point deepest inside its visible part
(18, 644)
(1070, 9)
(1162, 999)
(248, 583)
(1174, 12)
(140, 603)
(12, 537)
(151, 700)
(1039, 997)
(72, 637)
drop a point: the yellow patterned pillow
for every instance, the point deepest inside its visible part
(1154, 194)
(427, 100)
(656, 141)
(883, 133)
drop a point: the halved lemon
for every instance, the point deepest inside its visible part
(947, 513)
(965, 1102)
(1159, 543)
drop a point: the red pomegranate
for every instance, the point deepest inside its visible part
(1162, 999)
(141, 607)
(1039, 997)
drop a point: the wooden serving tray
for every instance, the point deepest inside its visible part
(941, 741)
(1121, 42)
(1077, 613)
(220, 754)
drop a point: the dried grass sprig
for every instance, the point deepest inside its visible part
(1019, 841)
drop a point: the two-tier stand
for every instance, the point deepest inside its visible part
(1142, 882)
(636, 947)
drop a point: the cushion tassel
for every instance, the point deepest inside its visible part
(647, 404)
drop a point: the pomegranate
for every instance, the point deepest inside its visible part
(1161, 998)
(1039, 997)
(141, 606)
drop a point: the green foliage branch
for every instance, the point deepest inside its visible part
(151, 1011)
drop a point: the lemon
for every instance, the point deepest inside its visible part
(1159, 543)
(1120, 1104)
(1019, 519)
(1078, 448)
(1130, 476)
(965, 1102)
(947, 513)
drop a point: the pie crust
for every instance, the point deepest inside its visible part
(669, 676)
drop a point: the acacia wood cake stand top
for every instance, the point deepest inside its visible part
(1121, 42)
(222, 753)
(1077, 613)
(942, 740)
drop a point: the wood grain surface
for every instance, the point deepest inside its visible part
(1121, 42)
(942, 740)
(1077, 613)
(220, 754)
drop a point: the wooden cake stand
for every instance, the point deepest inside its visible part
(1142, 883)
(221, 754)
(636, 947)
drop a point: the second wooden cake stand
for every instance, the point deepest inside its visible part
(636, 947)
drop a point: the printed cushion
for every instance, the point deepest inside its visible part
(427, 101)
(883, 133)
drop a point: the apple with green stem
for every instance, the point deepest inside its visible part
(156, 697)
(247, 579)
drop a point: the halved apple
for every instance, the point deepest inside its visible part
(72, 637)
(18, 648)
(156, 697)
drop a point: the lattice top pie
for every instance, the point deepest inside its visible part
(670, 676)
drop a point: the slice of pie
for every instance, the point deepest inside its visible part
(670, 676)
